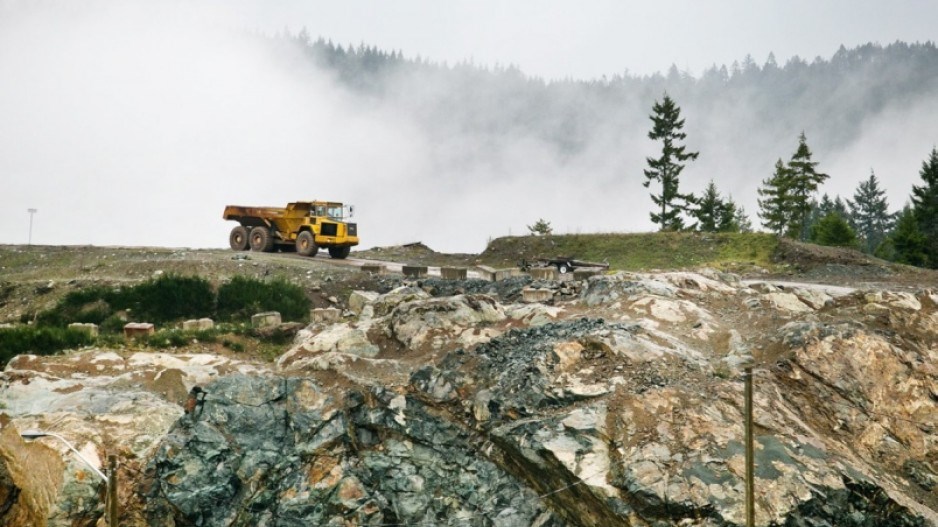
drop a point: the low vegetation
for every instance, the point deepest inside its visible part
(39, 341)
(641, 251)
(163, 300)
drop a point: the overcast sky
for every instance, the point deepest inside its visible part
(592, 38)
(134, 122)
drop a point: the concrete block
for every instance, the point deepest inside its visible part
(90, 329)
(504, 274)
(201, 324)
(414, 271)
(329, 314)
(583, 274)
(266, 320)
(138, 329)
(453, 273)
(485, 272)
(374, 268)
(530, 294)
(543, 273)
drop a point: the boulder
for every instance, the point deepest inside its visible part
(357, 300)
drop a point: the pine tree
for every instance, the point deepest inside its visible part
(741, 219)
(908, 242)
(775, 205)
(803, 183)
(870, 213)
(833, 230)
(711, 210)
(727, 219)
(925, 205)
(667, 169)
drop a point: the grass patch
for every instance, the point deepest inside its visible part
(641, 251)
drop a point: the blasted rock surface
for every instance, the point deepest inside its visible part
(621, 406)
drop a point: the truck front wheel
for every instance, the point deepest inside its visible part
(339, 253)
(238, 239)
(306, 244)
(261, 240)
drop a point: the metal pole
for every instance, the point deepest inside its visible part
(750, 488)
(31, 212)
(111, 501)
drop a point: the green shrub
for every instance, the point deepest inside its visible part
(243, 297)
(171, 297)
(167, 298)
(39, 341)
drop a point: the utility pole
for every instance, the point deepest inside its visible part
(31, 212)
(750, 496)
(111, 501)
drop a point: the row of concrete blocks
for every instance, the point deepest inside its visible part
(260, 320)
(485, 272)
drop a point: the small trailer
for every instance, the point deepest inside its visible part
(563, 264)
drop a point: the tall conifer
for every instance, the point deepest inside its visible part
(667, 168)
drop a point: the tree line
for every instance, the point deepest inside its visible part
(789, 205)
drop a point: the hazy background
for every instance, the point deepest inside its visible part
(134, 123)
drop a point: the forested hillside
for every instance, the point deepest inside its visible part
(585, 141)
(830, 97)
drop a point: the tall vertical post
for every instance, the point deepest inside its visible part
(750, 487)
(31, 212)
(111, 501)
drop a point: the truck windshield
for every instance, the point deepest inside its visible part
(330, 211)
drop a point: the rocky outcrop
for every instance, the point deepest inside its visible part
(621, 407)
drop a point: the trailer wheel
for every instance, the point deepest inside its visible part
(306, 244)
(339, 253)
(238, 239)
(563, 268)
(261, 240)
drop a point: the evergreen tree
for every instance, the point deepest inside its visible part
(713, 213)
(925, 205)
(741, 219)
(803, 180)
(908, 242)
(870, 213)
(833, 230)
(775, 204)
(667, 169)
(821, 209)
(728, 221)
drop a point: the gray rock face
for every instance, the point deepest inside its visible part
(619, 406)
(274, 451)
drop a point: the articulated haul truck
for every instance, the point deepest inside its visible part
(304, 226)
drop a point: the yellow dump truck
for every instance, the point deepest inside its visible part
(304, 226)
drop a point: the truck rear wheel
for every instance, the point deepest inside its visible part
(306, 244)
(238, 239)
(339, 253)
(261, 240)
(563, 268)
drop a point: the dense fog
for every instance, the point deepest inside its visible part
(125, 124)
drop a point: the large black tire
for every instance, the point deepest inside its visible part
(262, 240)
(238, 239)
(339, 253)
(563, 268)
(306, 244)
